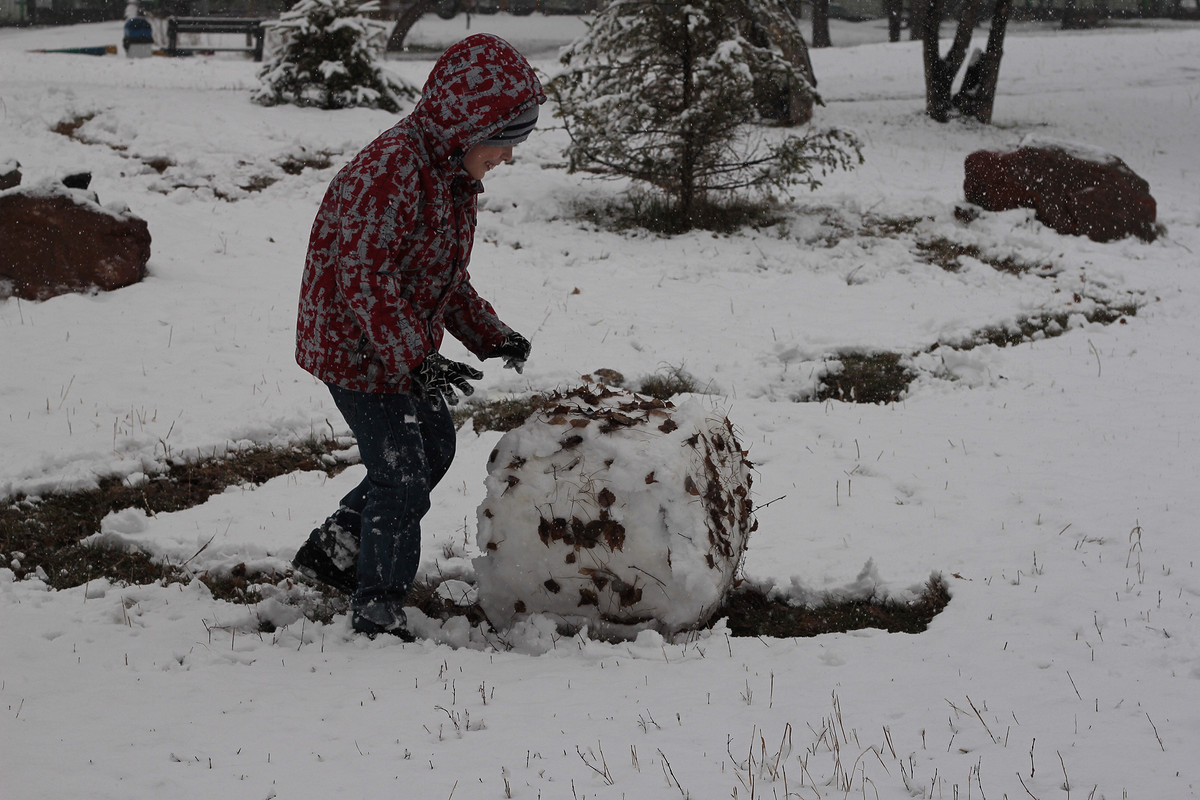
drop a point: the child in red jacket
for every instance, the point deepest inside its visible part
(385, 277)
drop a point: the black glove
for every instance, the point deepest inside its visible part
(514, 350)
(441, 375)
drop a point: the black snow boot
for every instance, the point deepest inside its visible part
(378, 618)
(331, 553)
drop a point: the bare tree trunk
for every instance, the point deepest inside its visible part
(789, 105)
(916, 20)
(799, 103)
(935, 81)
(939, 71)
(995, 50)
(1070, 14)
(409, 15)
(895, 17)
(820, 24)
(688, 193)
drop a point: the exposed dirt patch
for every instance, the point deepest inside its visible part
(45, 534)
(70, 127)
(885, 377)
(42, 537)
(159, 164)
(867, 378)
(1048, 326)
(753, 613)
(949, 254)
(291, 164)
(295, 164)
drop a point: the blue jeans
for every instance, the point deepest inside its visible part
(406, 443)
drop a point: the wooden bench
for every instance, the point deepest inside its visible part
(252, 27)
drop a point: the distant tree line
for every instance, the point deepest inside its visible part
(1072, 13)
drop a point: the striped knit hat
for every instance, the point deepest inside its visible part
(516, 131)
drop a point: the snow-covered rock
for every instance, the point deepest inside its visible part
(56, 239)
(614, 511)
(1076, 189)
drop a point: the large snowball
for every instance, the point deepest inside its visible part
(615, 511)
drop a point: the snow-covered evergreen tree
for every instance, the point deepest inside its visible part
(331, 57)
(677, 94)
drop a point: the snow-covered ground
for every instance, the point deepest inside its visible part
(1053, 484)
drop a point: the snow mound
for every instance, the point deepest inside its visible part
(1080, 150)
(615, 512)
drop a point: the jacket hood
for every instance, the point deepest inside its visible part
(477, 86)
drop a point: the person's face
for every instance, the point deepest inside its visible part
(483, 158)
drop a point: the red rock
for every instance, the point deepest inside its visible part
(55, 240)
(1074, 190)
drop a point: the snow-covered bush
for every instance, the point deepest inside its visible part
(330, 56)
(616, 511)
(667, 93)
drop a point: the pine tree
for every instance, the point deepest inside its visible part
(676, 95)
(331, 58)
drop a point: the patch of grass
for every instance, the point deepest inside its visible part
(948, 255)
(258, 183)
(668, 382)
(295, 164)
(750, 612)
(316, 601)
(883, 378)
(606, 376)
(508, 413)
(1047, 326)
(867, 378)
(650, 212)
(424, 596)
(888, 227)
(939, 250)
(496, 415)
(238, 586)
(836, 227)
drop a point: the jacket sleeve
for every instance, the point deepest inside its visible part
(374, 217)
(473, 321)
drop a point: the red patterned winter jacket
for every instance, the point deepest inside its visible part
(386, 271)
